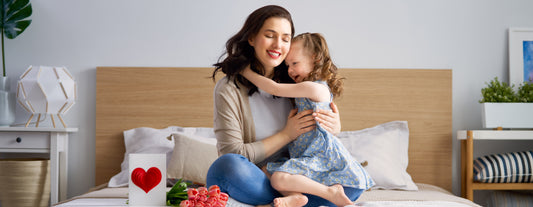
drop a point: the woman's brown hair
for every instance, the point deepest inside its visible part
(239, 53)
(316, 46)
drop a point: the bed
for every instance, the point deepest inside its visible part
(159, 97)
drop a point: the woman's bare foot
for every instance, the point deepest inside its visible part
(337, 196)
(291, 201)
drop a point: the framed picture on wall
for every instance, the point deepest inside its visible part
(520, 55)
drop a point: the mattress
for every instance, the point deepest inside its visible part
(427, 195)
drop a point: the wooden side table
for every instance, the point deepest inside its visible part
(467, 138)
(52, 141)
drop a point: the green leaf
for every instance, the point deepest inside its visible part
(497, 91)
(13, 21)
(525, 92)
(14, 14)
(182, 185)
(18, 15)
(16, 5)
(178, 187)
(13, 31)
(177, 193)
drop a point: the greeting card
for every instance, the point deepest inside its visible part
(147, 180)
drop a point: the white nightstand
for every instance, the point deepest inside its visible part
(53, 141)
(467, 138)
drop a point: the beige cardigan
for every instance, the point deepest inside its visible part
(233, 122)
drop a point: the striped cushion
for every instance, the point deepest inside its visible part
(514, 167)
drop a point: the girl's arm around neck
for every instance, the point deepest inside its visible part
(314, 91)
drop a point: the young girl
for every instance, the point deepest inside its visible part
(319, 164)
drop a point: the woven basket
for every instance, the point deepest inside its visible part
(24, 182)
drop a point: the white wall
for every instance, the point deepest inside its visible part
(469, 37)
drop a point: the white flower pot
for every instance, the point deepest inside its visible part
(507, 115)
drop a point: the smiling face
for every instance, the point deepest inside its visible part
(299, 61)
(272, 43)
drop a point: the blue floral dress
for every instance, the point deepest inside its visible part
(319, 155)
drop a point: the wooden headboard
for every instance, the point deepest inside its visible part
(130, 97)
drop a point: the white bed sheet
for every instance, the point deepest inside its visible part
(86, 202)
(95, 202)
(426, 196)
(411, 204)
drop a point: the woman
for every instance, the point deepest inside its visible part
(319, 164)
(251, 126)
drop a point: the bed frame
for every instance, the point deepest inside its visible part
(130, 97)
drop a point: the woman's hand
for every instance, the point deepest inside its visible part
(329, 120)
(299, 123)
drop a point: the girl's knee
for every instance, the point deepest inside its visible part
(278, 180)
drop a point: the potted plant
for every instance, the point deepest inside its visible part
(525, 92)
(13, 22)
(503, 107)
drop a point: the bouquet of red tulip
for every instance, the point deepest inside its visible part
(204, 197)
(181, 195)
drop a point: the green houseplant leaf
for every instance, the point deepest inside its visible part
(497, 91)
(525, 92)
(13, 21)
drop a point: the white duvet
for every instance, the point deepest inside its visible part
(426, 196)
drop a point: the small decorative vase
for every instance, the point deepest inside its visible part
(7, 103)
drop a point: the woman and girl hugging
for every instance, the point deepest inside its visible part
(275, 121)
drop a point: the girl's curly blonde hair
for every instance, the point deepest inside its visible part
(324, 69)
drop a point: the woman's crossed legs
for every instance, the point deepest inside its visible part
(246, 183)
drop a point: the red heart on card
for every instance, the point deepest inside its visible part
(146, 180)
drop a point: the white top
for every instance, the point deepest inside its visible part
(37, 129)
(498, 134)
(269, 113)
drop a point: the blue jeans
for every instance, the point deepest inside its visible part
(246, 183)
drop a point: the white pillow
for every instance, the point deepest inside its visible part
(142, 140)
(151, 140)
(385, 148)
(192, 157)
(197, 131)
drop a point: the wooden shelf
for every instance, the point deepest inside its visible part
(467, 138)
(502, 186)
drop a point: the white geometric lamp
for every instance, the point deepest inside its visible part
(46, 90)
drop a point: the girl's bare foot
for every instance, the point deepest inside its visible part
(291, 201)
(337, 196)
